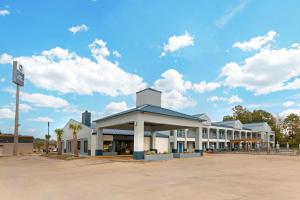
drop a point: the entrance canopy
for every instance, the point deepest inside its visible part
(150, 118)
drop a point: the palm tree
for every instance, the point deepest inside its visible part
(75, 128)
(59, 134)
(47, 142)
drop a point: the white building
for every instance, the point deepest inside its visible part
(148, 126)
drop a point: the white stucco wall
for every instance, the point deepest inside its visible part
(147, 143)
(84, 134)
(162, 144)
(148, 96)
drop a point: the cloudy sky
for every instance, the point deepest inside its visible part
(94, 55)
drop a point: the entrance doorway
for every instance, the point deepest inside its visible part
(124, 147)
(123, 144)
(180, 147)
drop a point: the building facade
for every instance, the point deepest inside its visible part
(225, 135)
(148, 126)
(25, 145)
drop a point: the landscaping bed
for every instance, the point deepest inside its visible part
(110, 153)
(61, 157)
(186, 155)
(157, 157)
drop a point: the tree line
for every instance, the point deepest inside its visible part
(287, 129)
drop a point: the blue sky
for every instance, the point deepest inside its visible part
(94, 55)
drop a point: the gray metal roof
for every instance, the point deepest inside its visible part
(155, 110)
(229, 125)
(148, 89)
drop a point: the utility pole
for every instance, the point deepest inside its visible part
(48, 127)
(18, 79)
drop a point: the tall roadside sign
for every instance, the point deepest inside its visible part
(18, 79)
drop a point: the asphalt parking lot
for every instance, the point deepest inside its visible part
(213, 177)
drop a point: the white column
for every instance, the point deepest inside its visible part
(218, 135)
(99, 142)
(225, 139)
(185, 139)
(138, 153)
(268, 141)
(198, 140)
(208, 134)
(174, 147)
(153, 140)
(93, 145)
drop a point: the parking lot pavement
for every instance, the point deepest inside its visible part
(214, 176)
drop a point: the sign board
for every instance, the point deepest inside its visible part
(18, 73)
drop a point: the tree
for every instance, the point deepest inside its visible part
(75, 128)
(228, 118)
(245, 116)
(263, 116)
(47, 137)
(241, 113)
(292, 124)
(59, 134)
(38, 143)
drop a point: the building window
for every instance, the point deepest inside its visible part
(172, 133)
(221, 134)
(78, 145)
(204, 132)
(212, 133)
(180, 133)
(69, 146)
(229, 135)
(107, 146)
(191, 134)
(85, 146)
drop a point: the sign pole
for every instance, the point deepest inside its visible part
(16, 133)
(18, 79)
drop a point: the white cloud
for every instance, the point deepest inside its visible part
(4, 12)
(117, 54)
(5, 58)
(60, 70)
(288, 103)
(2, 80)
(234, 99)
(256, 42)
(230, 100)
(115, 107)
(39, 100)
(178, 42)
(79, 28)
(42, 119)
(25, 107)
(230, 13)
(267, 71)
(174, 89)
(289, 111)
(172, 80)
(7, 113)
(206, 87)
(42, 100)
(176, 100)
